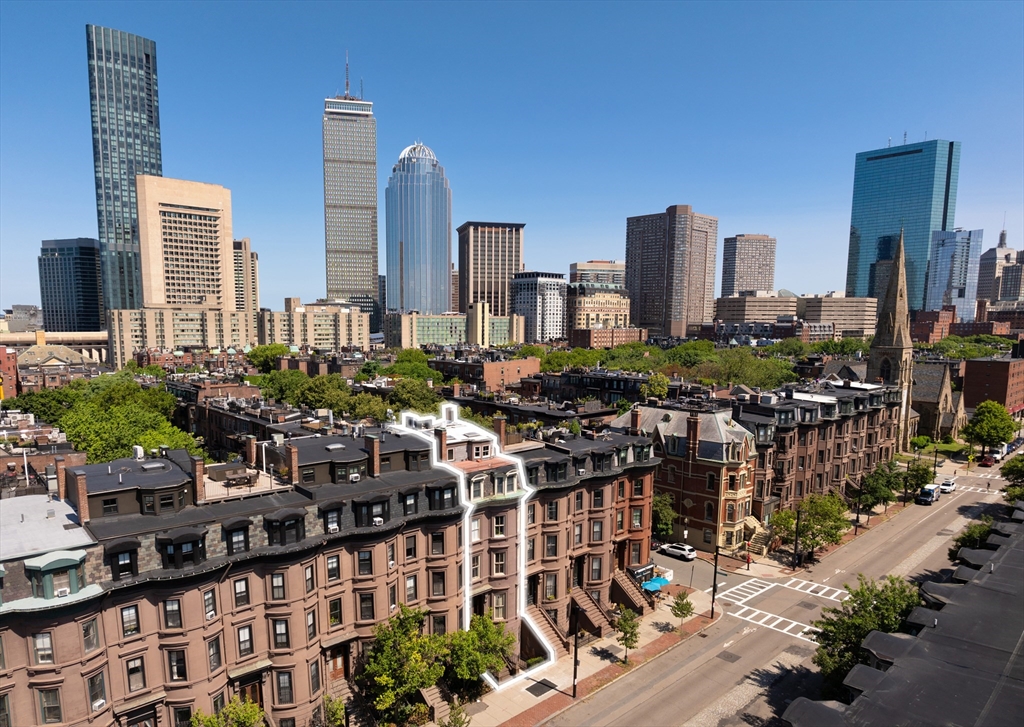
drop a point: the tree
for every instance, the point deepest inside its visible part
(367, 406)
(1013, 470)
(793, 347)
(264, 358)
(1012, 493)
(575, 427)
(236, 713)
(917, 475)
(682, 608)
(324, 392)
(783, 524)
(880, 486)
(628, 627)
(656, 386)
(484, 647)
(990, 425)
(920, 442)
(334, 711)
(825, 516)
(623, 405)
(414, 394)
(531, 350)
(284, 385)
(371, 369)
(971, 537)
(457, 716)
(872, 606)
(663, 514)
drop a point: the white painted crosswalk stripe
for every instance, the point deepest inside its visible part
(745, 591)
(780, 624)
(816, 589)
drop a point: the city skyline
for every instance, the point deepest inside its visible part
(278, 197)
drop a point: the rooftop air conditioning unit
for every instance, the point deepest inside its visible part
(378, 521)
(211, 615)
(332, 528)
(354, 477)
(99, 704)
(61, 592)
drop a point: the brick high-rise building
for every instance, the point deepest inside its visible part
(670, 269)
(490, 253)
(748, 263)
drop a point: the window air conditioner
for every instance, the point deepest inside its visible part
(99, 704)
(210, 615)
(378, 521)
(61, 592)
(354, 477)
(581, 471)
(332, 528)
(391, 564)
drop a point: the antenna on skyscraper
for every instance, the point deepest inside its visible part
(346, 74)
(889, 145)
(904, 137)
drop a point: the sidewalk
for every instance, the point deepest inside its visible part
(547, 690)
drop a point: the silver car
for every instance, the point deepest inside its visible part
(679, 550)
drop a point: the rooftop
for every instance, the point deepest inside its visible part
(26, 529)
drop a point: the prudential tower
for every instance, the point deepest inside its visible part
(419, 231)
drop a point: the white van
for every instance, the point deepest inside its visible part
(928, 495)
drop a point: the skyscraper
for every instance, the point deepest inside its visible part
(247, 282)
(419, 233)
(598, 271)
(70, 286)
(990, 268)
(490, 253)
(125, 109)
(540, 299)
(909, 188)
(953, 272)
(350, 202)
(670, 269)
(748, 263)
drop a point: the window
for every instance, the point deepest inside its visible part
(148, 505)
(732, 483)
(213, 653)
(210, 603)
(90, 638)
(310, 625)
(622, 489)
(550, 586)
(281, 640)
(43, 647)
(530, 551)
(277, 586)
(531, 514)
(552, 511)
(595, 568)
(579, 501)
(110, 506)
(550, 546)
(172, 614)
(437, 543)
(392, 595)
(619, 520)
(638, 488)
(474, 571)
(409, 504)
(167, 502)
(130, 620)
(218, 702)
(498, 605)
(284, 687)
(709, 511)
(634, 553)
(707, 535)
(49, 706)
(596, 531)
(245, 640)
(310, 581)
(124, 565)
(410, 547)
(334, 611)
(474, 530)
(730, 511)
(176, 665)
(410, 589)
(598, 498)
(577, 534)
(97, 691)
(365, 558)
(366, 606)
(477, 486)
(136, 674)
(499, 526)
(287, 531)
(638, 517)
(333, 521)
(450, 454)
(314, 677)
(499, 563)
(241, 592)
(437, 583)
(238, 541)
(532, 475)
(439, 624)
(712, 481)
(333, 568)
(182, 716)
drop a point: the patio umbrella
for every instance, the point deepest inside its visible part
(660, 581)
(650, 586)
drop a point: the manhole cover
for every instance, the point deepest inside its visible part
(728, 656)
(807, 604)
(541, 688)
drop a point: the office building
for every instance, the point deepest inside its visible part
(612, 272)
(764, 306)
(990, 269)
(412, 330)
(350, 201)
(70, 287)
(596, 305)
(490, 253)
(748, 263)
(173, 328)
(455, 290)
(952, 278)
(540, 299)
(382, 293)
(247, 280)
(670, 269)
(325, 326)
(124, 101)
(419, 232)
(910, 188)
(851, 317)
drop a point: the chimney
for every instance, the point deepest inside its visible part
(199, 478)
(634, 420)
(82, 495)
(499, 427)
(456, 390)
(58, 463)
(372, 445)
(692, 436)
(293, 462)
(441, 435)
(250, 450)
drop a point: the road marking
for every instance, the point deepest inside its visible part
(727, 644)
(782, 625)
(816, 589)
(745, 591)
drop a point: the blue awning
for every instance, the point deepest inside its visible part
(650, 586)
(660, 581)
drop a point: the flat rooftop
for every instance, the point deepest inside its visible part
(26, 530)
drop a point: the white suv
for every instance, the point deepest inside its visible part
(679, 550)
(948, 485)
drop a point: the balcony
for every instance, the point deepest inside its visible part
(254, 484)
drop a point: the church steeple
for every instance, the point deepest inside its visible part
(893, 330)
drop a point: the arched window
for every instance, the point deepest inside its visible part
(885, 371)
(709, 512)
(730, 513)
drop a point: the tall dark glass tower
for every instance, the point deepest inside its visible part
(419, 233)
(69, 285)
(125, 110)
(910, 188)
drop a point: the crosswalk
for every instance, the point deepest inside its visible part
(969, 488)
(816, 589)
(987, 475)
(745, 591)
(776, 623)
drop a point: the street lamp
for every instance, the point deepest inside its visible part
(686, 528)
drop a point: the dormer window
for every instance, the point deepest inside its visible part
(372, 513)
(236, 534)
(56, 574)
(442, 498)
(481, 451)
(182, 547)
(286, 526)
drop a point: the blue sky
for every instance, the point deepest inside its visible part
(568, 117)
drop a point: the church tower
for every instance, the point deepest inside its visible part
(891, 360)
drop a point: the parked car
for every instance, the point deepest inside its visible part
(986, 461)
(928, 495)
(948, 485)
(679, 550)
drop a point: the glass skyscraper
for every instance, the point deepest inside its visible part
(953, 272)
(350, 203)
(910, 187)
(419, 232)
(69, 285)
(125, 110)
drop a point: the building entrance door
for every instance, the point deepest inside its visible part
(339, 662)
(252, 690)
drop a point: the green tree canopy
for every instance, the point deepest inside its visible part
(973, 536)
(1013, 470)
(264, 358)
(872, 606)
(825, 516)
(682, 608)
(656, 386)
(414, 394)
(236, 713)
(628, 627)
(284, 385)
(411, 363)
(880, 486)
(483, 648)
(664, 515)
(917, 475)
(531, 350)
(990, 425)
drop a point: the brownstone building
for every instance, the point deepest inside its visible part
(488, 376)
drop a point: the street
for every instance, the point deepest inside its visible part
(748, 666)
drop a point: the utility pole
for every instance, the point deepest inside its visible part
(856, 525)
(935, 466)
(576, 646)
(714, 584)
(796, 538)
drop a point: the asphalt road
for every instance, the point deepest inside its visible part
(757, 658)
